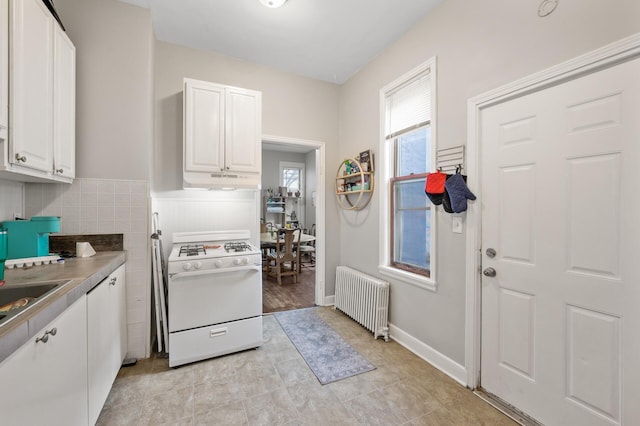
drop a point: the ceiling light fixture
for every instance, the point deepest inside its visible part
(273, 3)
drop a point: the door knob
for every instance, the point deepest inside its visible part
(489, 272)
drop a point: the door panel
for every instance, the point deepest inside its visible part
(560, 320)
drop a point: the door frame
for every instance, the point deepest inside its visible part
(320, 149)
(620, 51)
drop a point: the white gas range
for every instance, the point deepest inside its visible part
(215, 295)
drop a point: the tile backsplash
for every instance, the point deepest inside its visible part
(105, 206)
(11, 199)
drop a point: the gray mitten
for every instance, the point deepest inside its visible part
(458, 193)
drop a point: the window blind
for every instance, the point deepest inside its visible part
(408, 106)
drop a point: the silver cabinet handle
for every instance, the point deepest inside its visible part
(60, 171)
(21, 158)
(489, 272)
(45, 337)
(113, 281)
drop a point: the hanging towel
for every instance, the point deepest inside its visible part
(434, 187)
(458, 192)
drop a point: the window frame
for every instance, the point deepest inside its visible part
(386, 172)
(392, 199)
(293, 165)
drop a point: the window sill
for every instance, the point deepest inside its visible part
(408, 278)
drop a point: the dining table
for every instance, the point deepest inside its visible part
(268, 241)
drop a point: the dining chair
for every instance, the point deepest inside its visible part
(308, 250)
(285, 259)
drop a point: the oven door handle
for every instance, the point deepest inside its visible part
(215, 271)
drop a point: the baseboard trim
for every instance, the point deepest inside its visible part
(443, 363)
(329, 301)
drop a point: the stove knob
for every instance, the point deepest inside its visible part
(218, 263)
(197, 265)
(237, 261)
(186, 266)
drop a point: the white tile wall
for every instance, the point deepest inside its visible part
(11, 199)
(104, 206)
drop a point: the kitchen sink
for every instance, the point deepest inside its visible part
(17, 299)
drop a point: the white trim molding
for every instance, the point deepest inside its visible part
(609, 55)
(441, 362)
(320, 206)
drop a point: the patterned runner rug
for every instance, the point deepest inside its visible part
(325, 352)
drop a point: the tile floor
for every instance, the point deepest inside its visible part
(273, 386)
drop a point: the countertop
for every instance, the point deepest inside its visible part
(83, 275)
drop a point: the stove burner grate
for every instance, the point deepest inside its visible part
(237, 246)
(192, 250)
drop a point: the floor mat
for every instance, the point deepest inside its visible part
(325, 352)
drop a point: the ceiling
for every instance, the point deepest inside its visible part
(329, 40)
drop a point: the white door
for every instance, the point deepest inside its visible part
(561, 317)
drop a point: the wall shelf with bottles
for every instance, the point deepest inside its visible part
(354, 187)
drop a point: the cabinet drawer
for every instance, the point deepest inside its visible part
(215, 340)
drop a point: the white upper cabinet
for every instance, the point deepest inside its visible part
(243, 147)
(64, 103)
(41, 141)
(222, 136)
(203, 127)
(31, 135)
(4, 68)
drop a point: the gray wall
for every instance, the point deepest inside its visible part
(114, 87)
(479, 45)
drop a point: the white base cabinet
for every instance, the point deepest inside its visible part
(45, 383)
(107, 338)
(65, 379)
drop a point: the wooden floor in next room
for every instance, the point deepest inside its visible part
(289, 295)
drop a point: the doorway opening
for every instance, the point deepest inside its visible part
(292, 197)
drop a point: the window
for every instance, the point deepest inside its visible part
(292, 176)
(407, 147)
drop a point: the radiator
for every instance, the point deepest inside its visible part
(363, 298)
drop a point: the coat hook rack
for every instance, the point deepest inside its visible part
(450, 160)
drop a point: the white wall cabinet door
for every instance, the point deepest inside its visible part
(203, 126)
(107, 339)
(4, 68)
(31, 143)
(243, 130)
(64, 102)
(46, 382)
